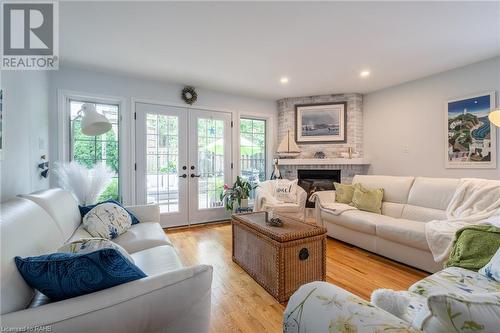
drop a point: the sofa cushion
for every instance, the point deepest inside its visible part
(396, 189)
(355, 220)
(62, 206)
(433, 193)
(79, 233)
(61, 276)
(423, 214)
(157, 260)
(455, 280)
(407, 232)
(26, 229)
(142, 236)
(392, 209)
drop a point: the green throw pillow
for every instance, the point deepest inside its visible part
(343, 193)
(368, 200)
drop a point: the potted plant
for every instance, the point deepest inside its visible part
(239, 192)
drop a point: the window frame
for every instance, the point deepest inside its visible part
(266, 141)
(64, 142)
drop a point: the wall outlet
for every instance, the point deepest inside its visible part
(406, 149)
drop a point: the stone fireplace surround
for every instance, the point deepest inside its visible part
(286, 122)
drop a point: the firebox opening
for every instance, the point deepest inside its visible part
(317, 180)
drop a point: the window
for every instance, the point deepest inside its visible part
(89, 150)
(253, 149)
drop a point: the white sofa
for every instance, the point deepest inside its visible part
(172, 298)
(265, 201)
(399, 233)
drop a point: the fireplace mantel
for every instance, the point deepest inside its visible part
(323, 161)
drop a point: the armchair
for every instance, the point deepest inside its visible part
(265, 201)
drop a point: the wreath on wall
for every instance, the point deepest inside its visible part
(189, 95)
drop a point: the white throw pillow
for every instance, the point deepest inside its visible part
(87, 245)
(285, 190)
(107, 220)
(492, 269)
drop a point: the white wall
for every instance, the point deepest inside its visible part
(411, 116)
(25, 131)
(131, 87)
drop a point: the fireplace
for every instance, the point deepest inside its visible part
(317, 180)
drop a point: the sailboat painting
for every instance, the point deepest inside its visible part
(321, 123)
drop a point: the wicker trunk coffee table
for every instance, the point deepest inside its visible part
(280, 259)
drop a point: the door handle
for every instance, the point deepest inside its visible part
(195, 176)
(183, 176)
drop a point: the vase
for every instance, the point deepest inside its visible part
(244, 203)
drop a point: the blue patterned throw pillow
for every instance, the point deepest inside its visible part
(65, 275)
(85, 209)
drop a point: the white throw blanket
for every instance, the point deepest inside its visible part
(475, 201)
(326, 199)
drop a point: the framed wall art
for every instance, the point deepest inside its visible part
(470, 137)
(321, 123)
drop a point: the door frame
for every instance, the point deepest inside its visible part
(172, 219)
(212, 214)
(234, 136)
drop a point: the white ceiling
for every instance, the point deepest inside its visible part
(244, 48)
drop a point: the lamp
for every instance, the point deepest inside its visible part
(93, 123)
(494, 117)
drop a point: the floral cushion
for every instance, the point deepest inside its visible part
(461, 313)
(323, 307)
(492, 269)
(417, 303)
(87, 245)
(455, 280)
(107, 220)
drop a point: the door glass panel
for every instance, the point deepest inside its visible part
(162, 185)
(210, 162)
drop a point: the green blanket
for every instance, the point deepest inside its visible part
(474, 246)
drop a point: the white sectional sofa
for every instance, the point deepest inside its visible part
(399, 232)
(172, 298)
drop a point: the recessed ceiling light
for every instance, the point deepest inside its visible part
(284, 80)
(364, 73)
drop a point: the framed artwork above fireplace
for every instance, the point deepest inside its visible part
(321, 123)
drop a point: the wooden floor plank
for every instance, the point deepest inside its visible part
(239, 304)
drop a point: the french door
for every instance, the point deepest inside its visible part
(183, 161)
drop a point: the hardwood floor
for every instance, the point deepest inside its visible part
(239, 304)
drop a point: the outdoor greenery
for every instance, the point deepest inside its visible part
(88, 150)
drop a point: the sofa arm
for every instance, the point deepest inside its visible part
(263, 198)
(301, 197)
(319, 198)
(146, 213)
(324, 307)
(323, 197)
(176, 301)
